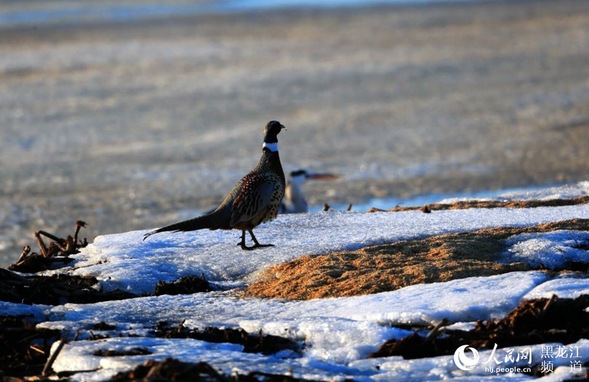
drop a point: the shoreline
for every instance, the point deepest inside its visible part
(126, 126)
(65, 307)
(79, 14)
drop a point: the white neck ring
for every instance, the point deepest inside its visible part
(271, 146)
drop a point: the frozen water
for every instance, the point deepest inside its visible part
(567, 191)
(80, 11)
(79, 355)
(338, 333)
(125, 261)
(11, 309)
(440, 368)
(566, 286)
(551, 250)
(463, 300)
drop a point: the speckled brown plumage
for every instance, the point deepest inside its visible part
(255, 199)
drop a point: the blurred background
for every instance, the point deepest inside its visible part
(133, 114)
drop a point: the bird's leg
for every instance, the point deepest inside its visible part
(256, 243)
(242, 242)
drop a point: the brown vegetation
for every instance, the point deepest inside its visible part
(260, 343)
(531, 322)
(465, 204)
(388, 267)
(171, 369)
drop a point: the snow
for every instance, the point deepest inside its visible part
(565, 286)
(338, 333)
(119, 261)
(33, 311)
(335, 330)
(567, 191)
(550, 250)
(438, 368)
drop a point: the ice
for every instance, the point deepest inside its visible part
(77, 356)
(567, 191)
(338, 333)
(124, 261)
(551, 250)
(228, 358)
(463, 300)
(335, 331)
(565, 286)
(14, 309)
(441, 368)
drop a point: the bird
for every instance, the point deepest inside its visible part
(255, 199)
(294, 200)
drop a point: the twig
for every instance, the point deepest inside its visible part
(436, 330)
(25, 252)
(42, 245)
(51, 359)
(548, 305)
(79, 224)
(59, 240)
(33, 347)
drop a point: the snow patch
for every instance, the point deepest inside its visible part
(551, 250)
(124, 261)
(338, 333)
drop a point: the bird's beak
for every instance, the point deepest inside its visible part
(324, 176)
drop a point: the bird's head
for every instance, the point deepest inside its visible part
(301, 176)
(271, 131)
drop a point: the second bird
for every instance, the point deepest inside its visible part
(254, 199)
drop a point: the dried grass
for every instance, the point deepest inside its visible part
(392, 266)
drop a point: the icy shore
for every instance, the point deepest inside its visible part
(337, 334)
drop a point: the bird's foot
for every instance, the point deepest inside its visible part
(148, 235)
(256, 245)
(256, 242)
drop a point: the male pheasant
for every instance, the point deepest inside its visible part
(255, 199)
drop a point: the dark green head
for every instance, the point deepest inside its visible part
(271, 131)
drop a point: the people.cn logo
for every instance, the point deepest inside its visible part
(463, 361)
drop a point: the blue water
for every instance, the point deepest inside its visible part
(72, 12)
(422, 200)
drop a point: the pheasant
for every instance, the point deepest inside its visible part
(255, 199)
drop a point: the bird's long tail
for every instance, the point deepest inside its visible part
(200, 222)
